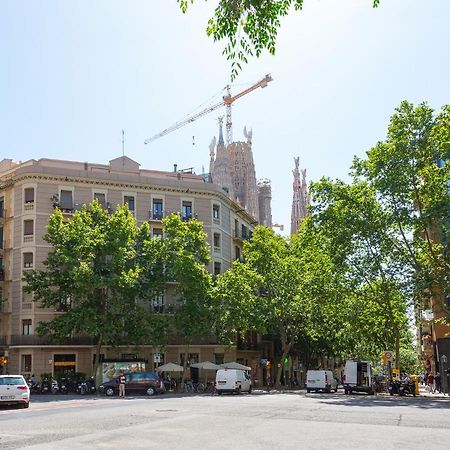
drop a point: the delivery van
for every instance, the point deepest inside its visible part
(358, 377)
(233, 380)
(321, 380)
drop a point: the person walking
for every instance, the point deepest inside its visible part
(430, 382)
(437, 383)
(121, 384)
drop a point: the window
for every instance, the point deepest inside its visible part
(26, 363)
(244, 232)
(157, 209)
(238, 252)
(101, 198)
(186, 210)
(1, 237)
(28, 227)
(236, 227)
(216, 241)
(217, 268)
(29, 195)
(28, 260)
(66, 201)
(216, 212)
(158, 304)
(129, 200)
(2, 207)
(218, 358)
(26, 327)
(158, 233)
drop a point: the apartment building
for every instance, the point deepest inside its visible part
(30, 191)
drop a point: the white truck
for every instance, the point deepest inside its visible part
(358, 377)
(321, 380)
(233, 380)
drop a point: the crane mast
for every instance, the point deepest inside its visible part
(227, 102)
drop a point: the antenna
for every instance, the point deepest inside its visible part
(123, 143)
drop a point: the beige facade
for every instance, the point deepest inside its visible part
(28, 194)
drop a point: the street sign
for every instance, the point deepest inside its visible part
(157, 357)
(388, 355)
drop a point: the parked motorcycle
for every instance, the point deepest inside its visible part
(86, 386)
(407, 388)
(394, 387)
(63, 386)
(35, 388)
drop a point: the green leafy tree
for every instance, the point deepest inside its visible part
(365, 246)
(187, 254)
(409, 172)
(276, 290)
(248, 26)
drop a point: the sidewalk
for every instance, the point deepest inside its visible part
(424, 393)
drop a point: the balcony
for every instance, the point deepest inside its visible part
(34, 339)
(28, 238)
(156, 215)
(239, 236)
(28, 206)
(187, 217)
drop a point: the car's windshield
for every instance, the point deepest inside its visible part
(11, 380)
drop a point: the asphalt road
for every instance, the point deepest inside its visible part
(256, 421)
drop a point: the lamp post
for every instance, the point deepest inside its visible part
(444, 375)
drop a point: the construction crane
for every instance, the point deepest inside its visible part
(226, 101)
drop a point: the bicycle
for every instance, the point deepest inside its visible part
(191, 387)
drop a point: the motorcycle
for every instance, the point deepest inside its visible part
(63, 386)
(86, 386)
(35, 388)
(407, 388)
(394, 387)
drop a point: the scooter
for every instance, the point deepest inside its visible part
(394, 387)
(63, 387)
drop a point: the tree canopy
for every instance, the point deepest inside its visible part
(248, 26)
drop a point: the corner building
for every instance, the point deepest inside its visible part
(30, 191)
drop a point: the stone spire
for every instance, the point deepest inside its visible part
(220, 166)
(300, 198)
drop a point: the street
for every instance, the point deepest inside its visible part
(257, 421)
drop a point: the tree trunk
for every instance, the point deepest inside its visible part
(397, 348)
(97, 360)
(286, 347)
(186, 353)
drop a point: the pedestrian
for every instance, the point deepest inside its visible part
(121, 384)
(430, 382)
(437, 383)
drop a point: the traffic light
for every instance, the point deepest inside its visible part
(286, 360)
(3, 360)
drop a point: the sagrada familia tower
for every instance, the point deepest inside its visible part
(232, 168)
(300, 199)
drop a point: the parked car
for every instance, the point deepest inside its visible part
(233, 380)
(135, 383)
(321, 380)
(358, 377)
(14, 390)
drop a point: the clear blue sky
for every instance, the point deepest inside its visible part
(74, 73)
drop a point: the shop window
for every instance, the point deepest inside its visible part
(64, 365)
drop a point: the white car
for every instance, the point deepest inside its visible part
(14, 390)
(233, 380)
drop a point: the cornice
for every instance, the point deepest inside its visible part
(132, 186)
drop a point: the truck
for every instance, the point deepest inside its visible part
(358, 377)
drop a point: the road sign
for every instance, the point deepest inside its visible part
(388, 355)
(157, 357)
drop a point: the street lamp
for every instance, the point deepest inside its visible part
(444, 375)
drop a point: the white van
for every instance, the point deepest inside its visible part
(358, 377)
(321, 380)
(233, 380)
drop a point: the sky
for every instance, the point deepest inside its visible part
(74, 73)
